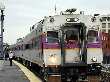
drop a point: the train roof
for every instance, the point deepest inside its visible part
(56, 21)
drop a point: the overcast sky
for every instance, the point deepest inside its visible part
(20, 15)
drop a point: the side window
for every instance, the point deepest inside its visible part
(52, 36)
(92, 36)
(37, 42)
(103, 25)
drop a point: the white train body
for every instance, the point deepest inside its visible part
(35, 55)
(46, 45)
(96, 54)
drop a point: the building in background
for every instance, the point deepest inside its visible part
(105, 23)
(105, 29)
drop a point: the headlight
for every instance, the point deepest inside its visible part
(53, 58)
(94, 59)
(72, 19)
(68, 20)
(99, 66)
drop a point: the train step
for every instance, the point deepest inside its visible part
(93, 78)
(80, 80)
(54, 78)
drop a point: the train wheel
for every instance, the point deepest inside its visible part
(24, 62)
(46, 77)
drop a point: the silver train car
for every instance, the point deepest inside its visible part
(57, 47)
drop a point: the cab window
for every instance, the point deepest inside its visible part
(92, 36)
(72, 35)
(52, 36)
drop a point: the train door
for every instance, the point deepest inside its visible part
(73, 51)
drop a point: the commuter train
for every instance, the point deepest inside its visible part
(61, 47)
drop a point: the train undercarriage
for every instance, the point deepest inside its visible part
(74, 72)
(68, 72)
(94, 69)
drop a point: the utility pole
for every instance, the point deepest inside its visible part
(2, 7)
(62, 44)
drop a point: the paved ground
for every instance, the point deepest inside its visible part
(11, 73)
(31, 76)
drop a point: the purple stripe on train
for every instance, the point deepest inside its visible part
(51, 45)
(57, 45)
(70, 44)
(94, 45)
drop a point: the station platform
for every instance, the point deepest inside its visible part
(16, 73)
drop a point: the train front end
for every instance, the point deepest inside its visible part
(64, 48)
(65, 53)
(73, 52)
(94, 51)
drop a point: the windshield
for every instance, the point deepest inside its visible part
(72, 34)
(52, 36)
(92, 36)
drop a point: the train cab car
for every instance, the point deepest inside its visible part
(56, 47)
(94, 51)
(73, 53)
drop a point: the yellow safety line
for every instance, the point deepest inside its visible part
(32, 77)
